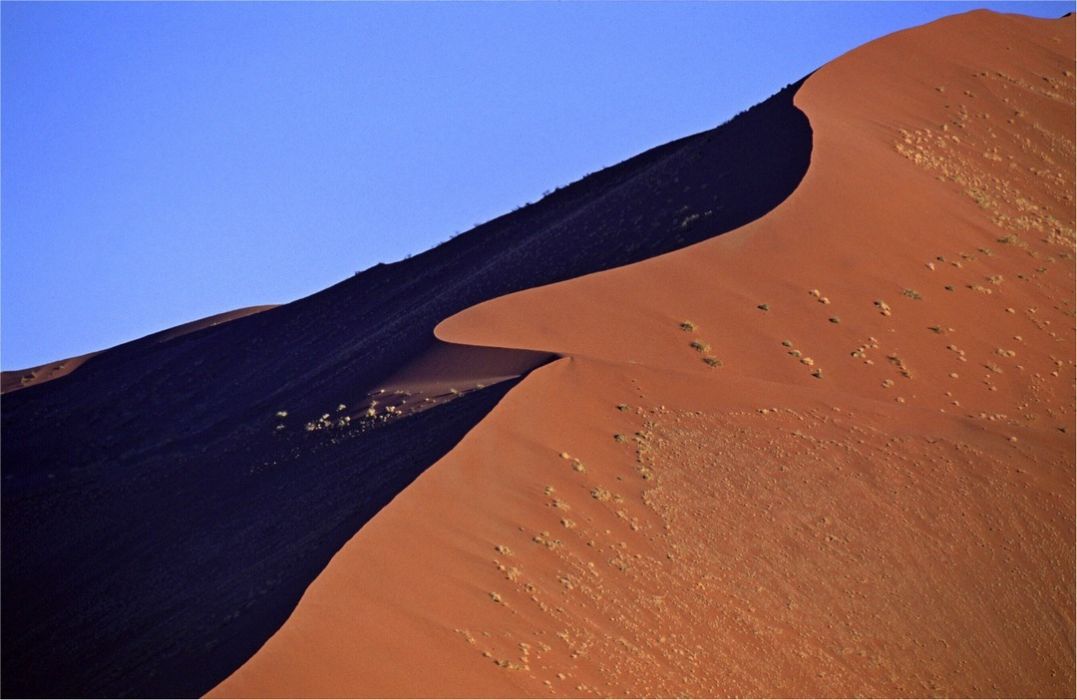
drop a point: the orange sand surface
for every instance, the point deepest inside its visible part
(829, 453)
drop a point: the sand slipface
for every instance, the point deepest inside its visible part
(829, 453)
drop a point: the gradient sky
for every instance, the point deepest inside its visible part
(163, 162)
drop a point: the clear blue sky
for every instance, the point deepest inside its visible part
(163, 162)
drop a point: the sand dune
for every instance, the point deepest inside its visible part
(165, 506)
(20, 379)
(828, 453)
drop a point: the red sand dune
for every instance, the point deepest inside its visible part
(21, 378)
(165, 507)
(870, 493)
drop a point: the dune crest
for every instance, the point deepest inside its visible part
(828, 453)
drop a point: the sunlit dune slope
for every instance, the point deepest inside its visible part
(830, 453)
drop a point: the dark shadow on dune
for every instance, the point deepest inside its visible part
(156, 528)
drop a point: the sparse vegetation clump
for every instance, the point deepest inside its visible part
(763, 307)
(912, 294)
(326, 422)
(699, 346)
(712, 361)
(687, 326)
(546, 541)
(900, 364)
(320, 424)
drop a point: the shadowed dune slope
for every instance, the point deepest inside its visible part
(165, 506)
(31, 376)
(828, 454)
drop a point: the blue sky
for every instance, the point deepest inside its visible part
(163, 162)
